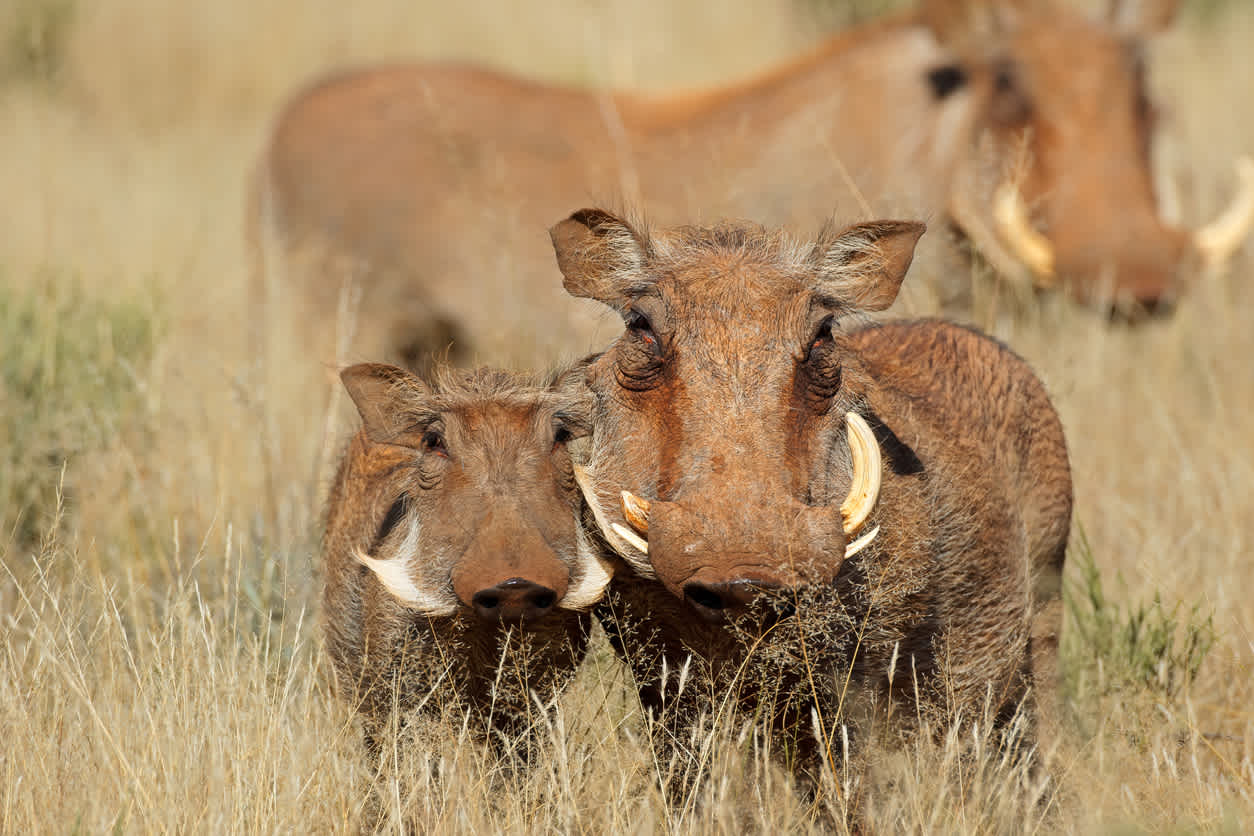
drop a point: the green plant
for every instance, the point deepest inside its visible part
(33, 36)
(71, 370)
(1145, 644)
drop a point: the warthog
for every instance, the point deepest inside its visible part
(454, 547)
(1026, 122)
(808, 500)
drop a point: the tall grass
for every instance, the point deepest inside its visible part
(160, 660)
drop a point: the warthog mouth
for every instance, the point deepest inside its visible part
(1216, 242)
(632, 544)
(593, 574)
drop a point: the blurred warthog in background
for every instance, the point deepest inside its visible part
(1027, 124)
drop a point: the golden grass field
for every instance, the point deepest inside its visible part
(160, 662)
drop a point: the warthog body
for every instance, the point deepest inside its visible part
(428, 181)
(453, 547)
(723, 410)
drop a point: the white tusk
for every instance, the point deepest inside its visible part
(394, 576)
(864, 489)
(1220, 238)
(862, 542)
(1028, 245)
(619, 537)
(596, 576)
(636, 510)
(631, 537)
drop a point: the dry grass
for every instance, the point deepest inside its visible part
(160, 665)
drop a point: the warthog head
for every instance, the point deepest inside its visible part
(729, 407)
(1062, 181)
(482, 509)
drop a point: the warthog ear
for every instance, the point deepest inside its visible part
(600, 255)
(388, 398)
(968, 25)
(1141, 18)
(862, 267)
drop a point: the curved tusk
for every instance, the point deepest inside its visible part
(631, 537)
(1028, 245)
(596, 576)
(616, 535)
(865, 487)
(636, 510)
(862, 542)
(394, 575)
(1220, 238)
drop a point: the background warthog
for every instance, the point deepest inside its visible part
(1028, 122)
(726, 410)
(453, 547)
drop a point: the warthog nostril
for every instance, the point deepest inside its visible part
(514, 601)
(704, 596)
(714, 599)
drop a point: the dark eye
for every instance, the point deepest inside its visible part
(822, 339)
(822, 370)
(639, 325)
(433, 442)
(1011, 104)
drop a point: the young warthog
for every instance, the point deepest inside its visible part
(454, 547)
(834, 509)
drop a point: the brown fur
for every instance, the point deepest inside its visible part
(723, 403)
(428, 181)
(465, 484)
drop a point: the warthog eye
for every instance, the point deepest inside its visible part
(821, 339)
(639, 355)
(822, 363)
(945, 80)
(639, 324)
(1011, 104)
(433, 442)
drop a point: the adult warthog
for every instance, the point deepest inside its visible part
(457, 573)
(821, 514)
(1026, 122)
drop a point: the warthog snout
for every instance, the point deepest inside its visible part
(514, 601)
(775, 544)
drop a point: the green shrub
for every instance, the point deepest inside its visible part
(33, 36)
(1145, 645)
(71, 369)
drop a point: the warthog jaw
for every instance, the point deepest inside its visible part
(1216, 242)
(864, 491)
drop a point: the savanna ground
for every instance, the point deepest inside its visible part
(160, 666)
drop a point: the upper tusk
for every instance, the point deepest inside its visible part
(1028, 245)
(636, 510)
(616, 535)
(1219, 239)
(865, 487)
